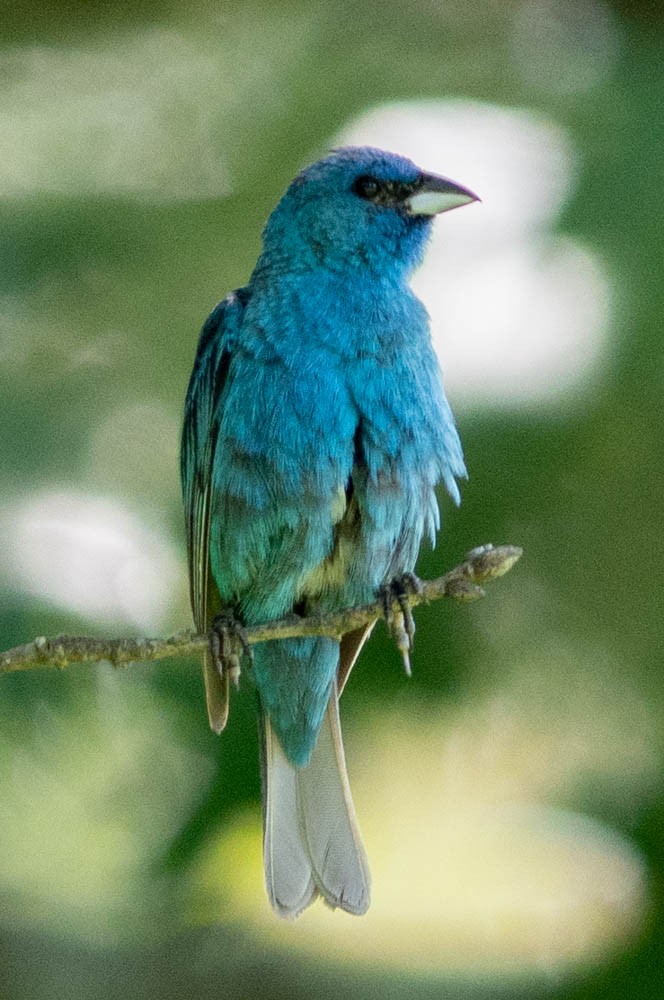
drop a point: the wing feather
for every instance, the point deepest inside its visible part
(203, 406)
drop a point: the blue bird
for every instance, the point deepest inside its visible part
(316, 430)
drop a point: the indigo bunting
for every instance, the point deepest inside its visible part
(316, 430)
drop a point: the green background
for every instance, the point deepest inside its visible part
(114, 796)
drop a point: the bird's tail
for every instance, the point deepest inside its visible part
(312, 844)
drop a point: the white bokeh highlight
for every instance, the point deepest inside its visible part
(91, 556)
(159, 114)
(520, 314)
(109, 120)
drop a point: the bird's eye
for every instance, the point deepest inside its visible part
(366, 187)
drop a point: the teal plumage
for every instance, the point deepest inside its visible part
(316, 430)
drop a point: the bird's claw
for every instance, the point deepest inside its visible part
(398, 613)
(228, 644)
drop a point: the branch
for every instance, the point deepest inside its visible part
(463, 583)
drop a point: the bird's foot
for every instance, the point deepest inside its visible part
(228, 644)
(399, 614)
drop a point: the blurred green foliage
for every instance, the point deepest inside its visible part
(112, 789)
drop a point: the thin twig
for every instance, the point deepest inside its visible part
(464, 583)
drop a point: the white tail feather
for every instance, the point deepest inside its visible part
(312, 842)
(288, 876)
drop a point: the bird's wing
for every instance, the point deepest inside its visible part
(199, 434)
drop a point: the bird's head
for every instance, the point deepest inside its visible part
(358, 206)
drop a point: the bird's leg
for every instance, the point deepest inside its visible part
(398, 612)
(228, 644)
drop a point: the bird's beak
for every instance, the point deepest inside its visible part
(438, 194)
